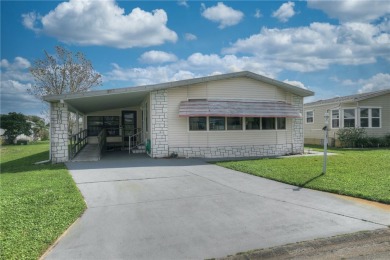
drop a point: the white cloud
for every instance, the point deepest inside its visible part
(15, 81)
(183, 3)
(377, 82)
(157, 57)
(258, 13)
(196, 65)
(295, 83)
(190, 37)
(222, 14)
(352, 10)
(16, 70)
(102, 23)
(285, 12)
(317, 46)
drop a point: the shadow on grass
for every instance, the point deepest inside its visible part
(303, 185)
(26, 164)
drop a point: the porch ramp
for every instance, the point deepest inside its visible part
(90, 152)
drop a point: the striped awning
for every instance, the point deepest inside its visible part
(237, 109)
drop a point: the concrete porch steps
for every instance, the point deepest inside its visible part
(89, 153)
(139, 149)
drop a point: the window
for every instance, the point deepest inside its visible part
(268, 123)
(252, 123)
(375, 117)
(281, 123)
(335, 118)
(216, 123)
(96, 123)
(309, 117)
(364, 117)
(349, 117)
(234, 123)
(198, 123)
(370, 117)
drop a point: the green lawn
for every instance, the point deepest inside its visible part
(358, 173)
(37, 202)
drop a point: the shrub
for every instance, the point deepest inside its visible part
(351, 137)
(357, 137)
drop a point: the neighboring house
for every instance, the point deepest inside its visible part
(368, 110)
(232, 115)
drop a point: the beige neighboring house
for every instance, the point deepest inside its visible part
(368, 110)
(239, 114)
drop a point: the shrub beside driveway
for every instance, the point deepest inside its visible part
(37, 202)
(362, 173)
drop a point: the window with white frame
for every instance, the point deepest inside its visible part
(364, 118)
(216, 123)
(349, 117)
(234, 123)
(309, 117)
(198, 123)
(375, 117)
(252, 123)
(335, 118)
(370, 117)
(281, 123)
(268, 123)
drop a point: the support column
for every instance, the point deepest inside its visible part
(159, 123)
(297, 126)
(59, 132)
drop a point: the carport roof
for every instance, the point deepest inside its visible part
(91, 101)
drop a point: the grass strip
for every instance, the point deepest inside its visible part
(361, 173)
(37, 202)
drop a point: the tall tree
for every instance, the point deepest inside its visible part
(14, 124)
(39, 128)
(64, 72)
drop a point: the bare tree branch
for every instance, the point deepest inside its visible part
(62, 73)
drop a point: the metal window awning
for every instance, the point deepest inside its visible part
(237, 108)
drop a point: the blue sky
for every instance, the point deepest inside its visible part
(333, 48)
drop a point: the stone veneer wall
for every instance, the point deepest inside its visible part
(59, 132)
(232, 151)
(159, 123)
(297, 127)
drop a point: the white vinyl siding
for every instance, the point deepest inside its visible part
(179, 134)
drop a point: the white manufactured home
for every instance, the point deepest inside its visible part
(367, 110)
(238, 114)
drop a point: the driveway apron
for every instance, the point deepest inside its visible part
(143, 208)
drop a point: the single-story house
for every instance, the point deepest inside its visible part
(239, 114)
(367, 110)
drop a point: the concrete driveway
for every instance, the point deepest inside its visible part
(141, 208)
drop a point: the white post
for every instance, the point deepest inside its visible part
(326, 116)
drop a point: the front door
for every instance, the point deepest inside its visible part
(129, 125)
